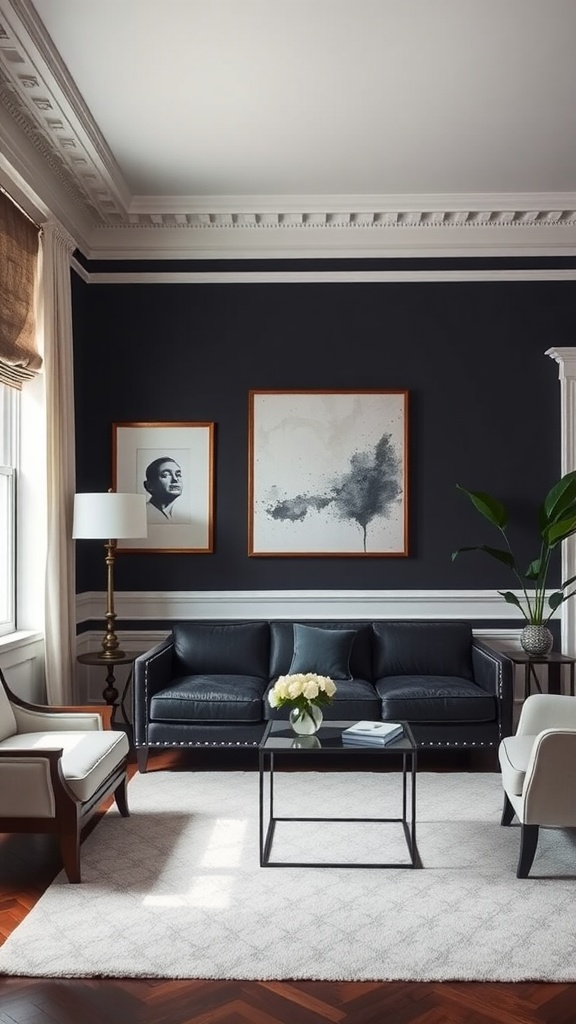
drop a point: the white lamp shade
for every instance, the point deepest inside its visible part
(109, 516)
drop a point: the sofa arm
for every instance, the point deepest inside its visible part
(494, 672)
(152, 672)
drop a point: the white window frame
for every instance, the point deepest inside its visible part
(9, 465)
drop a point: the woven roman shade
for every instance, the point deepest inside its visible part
(19, 242)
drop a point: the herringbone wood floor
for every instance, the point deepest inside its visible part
(29, 863)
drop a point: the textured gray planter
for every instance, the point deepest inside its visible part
(536, 640)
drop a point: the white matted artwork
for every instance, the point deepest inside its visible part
(172, 464)
(328, 473)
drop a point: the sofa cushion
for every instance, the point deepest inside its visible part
(423, 648)
(282, 645)
(221, 648)
(428, 698)
(325, 651)
(207, 697)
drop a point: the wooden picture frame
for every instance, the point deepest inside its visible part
(172, 464)
(328, 473)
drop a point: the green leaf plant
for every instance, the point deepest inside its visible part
(556, 522)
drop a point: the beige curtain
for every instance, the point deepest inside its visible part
(56, 312)
(19, 237)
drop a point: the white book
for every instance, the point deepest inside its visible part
(377, 733)
(365, 741)
(372, 728)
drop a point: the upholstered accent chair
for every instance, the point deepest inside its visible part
(538, 768)
(57, 766)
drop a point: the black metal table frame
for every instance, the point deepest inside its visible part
(266, 833)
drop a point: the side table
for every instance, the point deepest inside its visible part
(110, 691)
(553, 662)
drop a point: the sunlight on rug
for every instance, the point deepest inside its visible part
(176, 891)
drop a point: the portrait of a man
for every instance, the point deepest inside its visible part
(163, 483)
(172, 466)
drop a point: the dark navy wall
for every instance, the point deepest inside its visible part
(484, 408)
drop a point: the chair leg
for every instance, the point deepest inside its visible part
(507, 812)
(70, 852)
(528, 845)
(121, 797)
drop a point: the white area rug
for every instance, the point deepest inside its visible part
(176, 890)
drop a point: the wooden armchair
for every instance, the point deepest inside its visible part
(57, 765)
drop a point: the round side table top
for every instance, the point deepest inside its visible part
(95, 658)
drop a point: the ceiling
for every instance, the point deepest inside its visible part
(216, 128)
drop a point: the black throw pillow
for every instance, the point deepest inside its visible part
(323, 651)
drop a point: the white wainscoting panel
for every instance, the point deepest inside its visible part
(310, 604)
(22, 662)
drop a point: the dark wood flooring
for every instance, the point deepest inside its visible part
(29, 863)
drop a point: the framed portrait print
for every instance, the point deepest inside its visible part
(172, 465)
(328, 473)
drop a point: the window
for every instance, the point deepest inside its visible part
(9, 455)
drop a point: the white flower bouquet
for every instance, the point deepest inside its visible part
(305, 693)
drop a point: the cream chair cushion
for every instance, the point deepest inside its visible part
(87, 759)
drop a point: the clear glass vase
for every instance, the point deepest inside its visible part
(306, 721)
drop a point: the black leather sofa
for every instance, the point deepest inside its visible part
(207, 683)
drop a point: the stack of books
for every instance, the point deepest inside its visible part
(371, 734)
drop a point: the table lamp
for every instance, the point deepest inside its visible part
(112, 517)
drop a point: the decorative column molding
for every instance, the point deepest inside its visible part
(566, 359)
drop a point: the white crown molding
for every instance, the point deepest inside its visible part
(229, 238)
(52, 142)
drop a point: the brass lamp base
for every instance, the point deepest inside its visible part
(115, 655)
(110, 649)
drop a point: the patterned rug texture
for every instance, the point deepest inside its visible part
(176, 891)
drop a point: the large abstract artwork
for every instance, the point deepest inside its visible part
(328, 473)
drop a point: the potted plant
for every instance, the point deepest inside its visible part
(556, 522)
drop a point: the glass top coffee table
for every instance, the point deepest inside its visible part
(278, 739)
